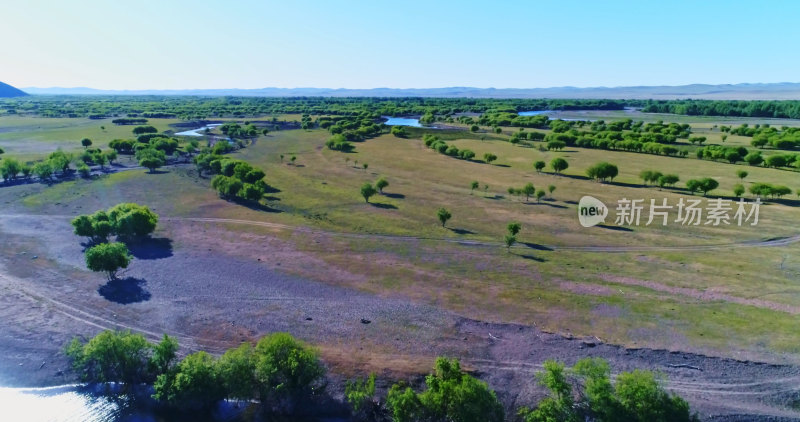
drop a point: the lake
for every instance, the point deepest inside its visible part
(402, 121)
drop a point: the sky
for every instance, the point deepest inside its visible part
(177, 44)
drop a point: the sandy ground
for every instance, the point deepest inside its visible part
(188, 283)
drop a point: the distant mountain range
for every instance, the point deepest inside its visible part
(7, 90)
(756, 91)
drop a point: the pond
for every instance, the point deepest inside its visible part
(402, 121)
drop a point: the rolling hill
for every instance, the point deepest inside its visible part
(7, 90)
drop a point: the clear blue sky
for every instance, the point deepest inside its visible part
(176, 44)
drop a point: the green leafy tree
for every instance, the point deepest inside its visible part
(287, 371)
(539, 195)
(360, 395)
(60, 160)
(528, 190)
(668, 180)
(513, 228)
(488, 157)
(86, 142)
(738, 190)
(97, 227)
(10, 168)
(704, 185)
(141, 130)
(164, 354)
(551, 189)
(539, 166)
(111, 356)
(509, 241)
(194, 384)
(237, 371)
(558, 165)
(131, 220)
(43, 170)
(108, 258)
(381, 183)
(367, 191)
(451, 395)
(443, 215)
(473, 185)
(741, 174)
(151, 158)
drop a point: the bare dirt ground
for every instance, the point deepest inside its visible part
(189, 282)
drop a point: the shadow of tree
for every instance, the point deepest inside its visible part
(536, 246)
(531, 257)
(384, 206)
(394, 195)
(125, 291)
(461, 231)
(151, 248)
(615, 228)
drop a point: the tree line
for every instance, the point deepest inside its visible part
(280, 373)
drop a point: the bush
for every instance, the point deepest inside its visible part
(193, 384)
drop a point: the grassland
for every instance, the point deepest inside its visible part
(716, 300)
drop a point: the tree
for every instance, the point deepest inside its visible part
(365, 165)
(60, 160)
(514, 228)
(360, 395)
(551, 189)
(539, 195)
(367, 190)
(443, 214)
(473, 185)
(141, 130)
(775, 161)
(110, 156)
(111, 356)
(738, 190)
(97, 227)
(151, 158)
(741, 174)
(650, 176)
(451, 395)
(668, 180)
(474, 128)
(43, 170)
(509, 241)
(236, 368)
(287, 370)
(602, 171)
(131, 220)
(704, 185)
(293, 159)
(381, 183)
(528, 190)
(108, 258)
(488, 157)
(539, 166)
(754, 158)
(194, 384)
(399, 132)
(559, 164)
(164, 355)
(10, 168)
(86, 142)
